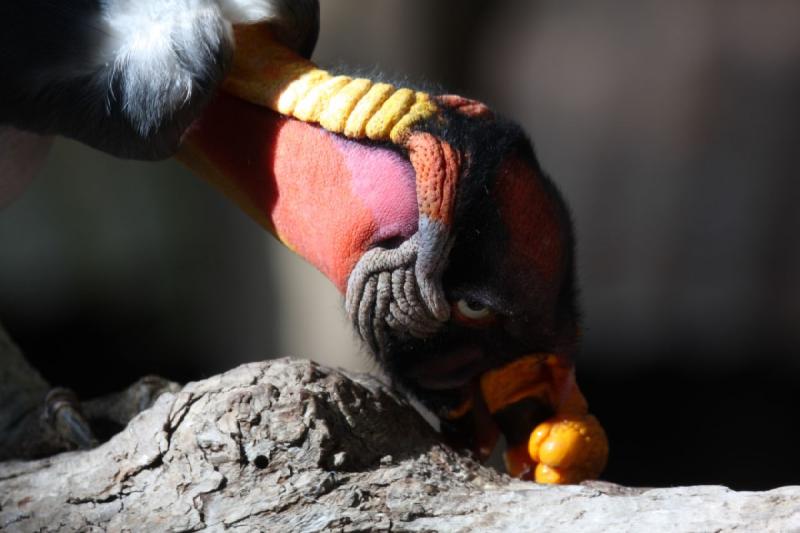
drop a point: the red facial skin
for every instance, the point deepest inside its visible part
(326, 198)
(529, 213)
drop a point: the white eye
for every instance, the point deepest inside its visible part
(472, 309)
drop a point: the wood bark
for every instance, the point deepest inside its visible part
(288, 445)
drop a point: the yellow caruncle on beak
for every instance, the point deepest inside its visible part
(270, 75)
(568, 447)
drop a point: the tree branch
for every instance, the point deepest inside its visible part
(288, 445)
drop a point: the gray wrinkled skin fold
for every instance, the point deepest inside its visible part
(399, 290)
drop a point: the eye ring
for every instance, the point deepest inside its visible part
(473, 311)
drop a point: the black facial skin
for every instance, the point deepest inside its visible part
(533, 315)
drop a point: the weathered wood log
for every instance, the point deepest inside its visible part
(288, 445)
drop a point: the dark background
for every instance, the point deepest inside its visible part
(671, 127)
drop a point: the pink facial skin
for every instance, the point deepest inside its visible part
(385, 182)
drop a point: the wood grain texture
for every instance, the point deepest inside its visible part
(288, 445)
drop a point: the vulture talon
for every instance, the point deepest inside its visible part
(63, 414)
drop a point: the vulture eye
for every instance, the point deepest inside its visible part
(472, 311)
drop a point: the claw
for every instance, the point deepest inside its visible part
(63, 413)
(146, 391)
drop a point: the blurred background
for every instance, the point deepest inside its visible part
(672, 129)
